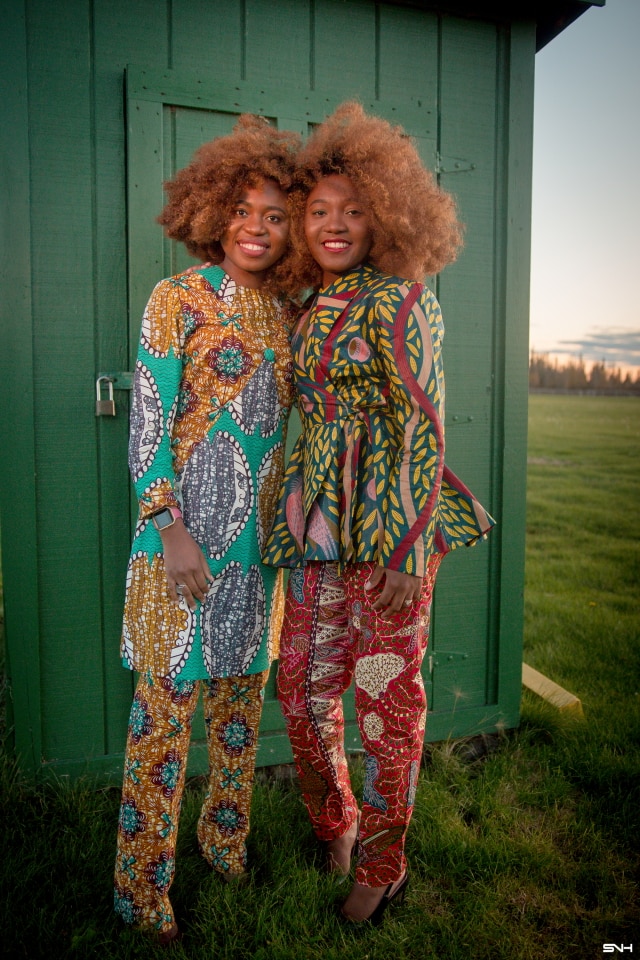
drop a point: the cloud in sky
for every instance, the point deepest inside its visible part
(615, 345)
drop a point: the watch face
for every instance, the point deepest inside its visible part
(163, 519)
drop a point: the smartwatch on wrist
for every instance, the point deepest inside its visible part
(165, 518)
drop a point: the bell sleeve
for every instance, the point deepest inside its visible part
(410, 324)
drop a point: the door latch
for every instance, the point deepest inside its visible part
(105, 408)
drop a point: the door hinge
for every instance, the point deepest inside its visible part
(453, 165)
(443, 659)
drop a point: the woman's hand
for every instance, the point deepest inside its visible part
(399, 590)
(185, 565)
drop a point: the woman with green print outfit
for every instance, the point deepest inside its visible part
(212, 394)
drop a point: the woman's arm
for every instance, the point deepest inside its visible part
(155, 397)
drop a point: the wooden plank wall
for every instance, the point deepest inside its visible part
(65, 93)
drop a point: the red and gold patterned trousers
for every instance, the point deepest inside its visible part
(155, 767)
(331, 636)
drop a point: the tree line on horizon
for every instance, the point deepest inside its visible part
(574, 375)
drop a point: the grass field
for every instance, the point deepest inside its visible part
(528, 853)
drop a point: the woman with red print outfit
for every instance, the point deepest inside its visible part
(211, 399)
(367, 508)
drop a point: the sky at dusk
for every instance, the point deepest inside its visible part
(585, 260)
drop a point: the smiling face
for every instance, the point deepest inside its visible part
(337, 227)
(257, 234)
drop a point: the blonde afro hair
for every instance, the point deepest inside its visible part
(416, 230)
(202, 196)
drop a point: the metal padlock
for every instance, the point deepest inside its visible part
(105, 408)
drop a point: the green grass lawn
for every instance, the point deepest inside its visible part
(528, 853)
(583, 557)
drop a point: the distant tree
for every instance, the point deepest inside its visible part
(598, 378)
(545, 374)
(577, 375)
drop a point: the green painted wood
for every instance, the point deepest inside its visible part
(276, 42)
(280, 100)
(462, 644)
(184, 130)
(408, 48)
(208, 32)
(18, 484)
(121, 29)
(63, 296)
(550, 17)
(145, 172)
(518, 133)
(344, 33)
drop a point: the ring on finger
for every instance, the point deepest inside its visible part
(407, 603)
(179, 588)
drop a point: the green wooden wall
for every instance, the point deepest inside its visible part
(102, 100)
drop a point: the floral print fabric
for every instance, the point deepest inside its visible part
(155, 766)
(331, 637)
(212, 392)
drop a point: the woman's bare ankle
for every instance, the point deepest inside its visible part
(340, 850)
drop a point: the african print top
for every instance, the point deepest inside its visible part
(367, 479)
(212, 392)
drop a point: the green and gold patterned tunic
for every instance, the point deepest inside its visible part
(212, 393)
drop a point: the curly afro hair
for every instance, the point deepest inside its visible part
(416, 231)
(202, 195)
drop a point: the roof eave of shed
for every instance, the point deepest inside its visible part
(551, 16)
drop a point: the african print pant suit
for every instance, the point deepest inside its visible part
(366, 485)
(212, 393)
(331, 637)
